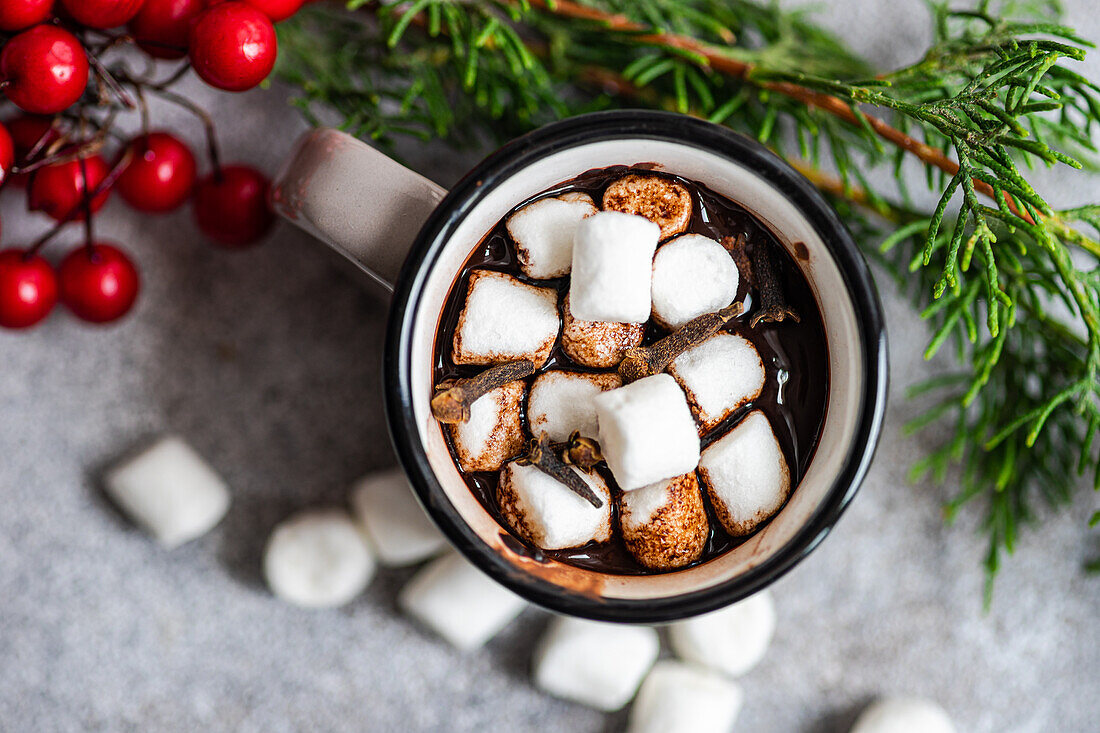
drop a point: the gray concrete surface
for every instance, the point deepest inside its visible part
(268, 362)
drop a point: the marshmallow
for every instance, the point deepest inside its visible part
(169, 490)
(665, 524)
(692, 275)
(318, 559)
(505, 319)
(682, 698)
(592, 663)
(903, 715)
(647, 433)
(746, 475)
(494, 432)
(547, 513)
(658, 199)
(718, 376)
(599, 344)
(561, 402)
(613, 268)
(398, 529)
(459, 602)
(543, 233)
(731, 640)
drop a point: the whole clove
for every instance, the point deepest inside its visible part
(541, 455)
(453, 397)
(582, 452)
(645, 361)
(773, 304)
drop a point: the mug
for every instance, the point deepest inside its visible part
(412, 237)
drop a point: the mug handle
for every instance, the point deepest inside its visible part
(363, 204)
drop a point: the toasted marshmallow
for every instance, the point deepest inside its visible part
(459, 602)
(731, 640)
(719, 376)
(665, 524)
(692, 275)
(318, 559)
(170, 491)
(543, 233)
(398, 529)
(494, 432)
(592, 663)
(683, 698)
(903, 715)
(745, 475)
(561, 402)
(600, 344)
(613, 268)
(647, 433)
(547, 513)
(505, 319)
(661, 200)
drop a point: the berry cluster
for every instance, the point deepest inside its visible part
(55, 68)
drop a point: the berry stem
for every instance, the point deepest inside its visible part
(207, 123)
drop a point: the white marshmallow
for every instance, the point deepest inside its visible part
(398, 529)
(494, 432)
(170, 491)
(746, 475)
(731, 640)
(561, 402)
(692, 275)
(318, 558)
(543, 233)
(592, 663)
(719, 376)
(505, 319)
(664, 525)
(547, 513)
(647, 433)
(459, 602)
(903, 715)
(613, 268)
(682, 698)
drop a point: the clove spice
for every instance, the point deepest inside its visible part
(541, 455)
(582, 452)
(453, 397)
(773, 304)
(645, 361)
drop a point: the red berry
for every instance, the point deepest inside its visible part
(15, 15)
(161, 174)
(102, 13)
(232, 46)
(277, 9)
(161, 26)
(58, 189)
(28, 289)
(27, 133)
(7, 153)
(233, 211)
(45, 69)
(98, 284)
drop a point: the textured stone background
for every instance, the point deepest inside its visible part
(268, 362)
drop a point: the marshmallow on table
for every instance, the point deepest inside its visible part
(647, 433)
(746, 475)
(170, 491)
(718, 376)
(494, 432)
(593, 663)
(543, 233)
(459, 602)
(659, 199)
(731, 640)
(692, 275)
(547, 513)
(398, 529)
(683, 698)
(561, 402)
(613, 268)
(318, 558)
(599, 344)
(665, 524)
(505, 319)
(903, 715)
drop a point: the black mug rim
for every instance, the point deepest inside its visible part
(526, 150)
